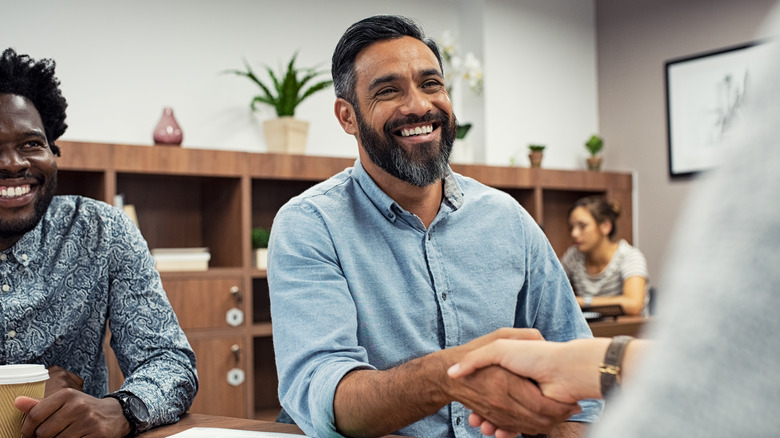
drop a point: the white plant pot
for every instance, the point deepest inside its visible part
(286, 135)
(260, 258)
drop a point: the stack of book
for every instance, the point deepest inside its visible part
(181, 259)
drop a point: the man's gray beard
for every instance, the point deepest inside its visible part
(422, 167)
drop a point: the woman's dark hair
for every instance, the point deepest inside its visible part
(601, 210)
(35, 80)
(361, 35)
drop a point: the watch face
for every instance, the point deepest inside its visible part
(138, 409)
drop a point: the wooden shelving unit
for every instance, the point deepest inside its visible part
(198, 197)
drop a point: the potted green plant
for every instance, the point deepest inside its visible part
(535, 155)
(260, 238)
(286, 90)
(594, 145)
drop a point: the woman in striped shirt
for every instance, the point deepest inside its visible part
(603, 270)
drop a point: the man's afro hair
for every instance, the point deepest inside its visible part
(35, 80)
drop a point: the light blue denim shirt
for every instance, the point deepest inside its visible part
(357, 282)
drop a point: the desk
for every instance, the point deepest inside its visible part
(200, 420)
(623, 325)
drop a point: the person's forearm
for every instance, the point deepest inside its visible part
(576, 364)
(568, 429)
(374, 403)
(630, 305)
(633, 357)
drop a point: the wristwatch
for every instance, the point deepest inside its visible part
(612, 366)
(134, 410)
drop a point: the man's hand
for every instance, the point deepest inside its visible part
(60, 378)
(375, 403)
(72, 413)
(511, 402)
(505, 400)
(565, 371)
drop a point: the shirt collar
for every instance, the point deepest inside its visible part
(453, 194)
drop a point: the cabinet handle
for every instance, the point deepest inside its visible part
(236, 292)
(236, 349)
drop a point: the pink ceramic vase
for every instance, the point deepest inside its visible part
(167, 131)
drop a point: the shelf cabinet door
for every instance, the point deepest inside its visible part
(222, 372)
(207, 303)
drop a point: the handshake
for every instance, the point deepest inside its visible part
(515, 382)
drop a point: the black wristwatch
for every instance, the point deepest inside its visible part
(134, 410)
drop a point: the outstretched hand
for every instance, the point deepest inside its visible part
(567, 372)
(502, 397)
(563, 371)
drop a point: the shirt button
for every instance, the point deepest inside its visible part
(390, 215)
(24, 257)
(457, 421)
(12, 334)
(6, 288)
(444, 296)
(3, 257)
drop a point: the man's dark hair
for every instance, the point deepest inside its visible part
(361, 35)
(35, 80)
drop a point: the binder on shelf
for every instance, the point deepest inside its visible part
(129, 210)
(181, 259)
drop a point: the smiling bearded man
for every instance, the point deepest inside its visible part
(387, 273)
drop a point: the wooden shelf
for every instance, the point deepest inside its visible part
(199, 197)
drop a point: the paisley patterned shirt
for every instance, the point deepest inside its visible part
(83, 267)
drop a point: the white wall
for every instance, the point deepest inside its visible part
(540, 85)
(635, 38)
(121, 63)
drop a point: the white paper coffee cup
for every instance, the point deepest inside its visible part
(16, 380)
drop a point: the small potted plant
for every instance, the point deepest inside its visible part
(594, 145)
(536, 154)
(260, 238)
(285, 92)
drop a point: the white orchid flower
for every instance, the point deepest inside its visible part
(457, 67)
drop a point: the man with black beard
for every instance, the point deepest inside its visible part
(385, 275)
(70, 267)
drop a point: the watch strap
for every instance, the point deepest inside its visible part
(610, 369)
(136, 425)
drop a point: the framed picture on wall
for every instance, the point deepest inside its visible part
(705, 96)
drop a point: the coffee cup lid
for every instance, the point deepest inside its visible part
(22, 373)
